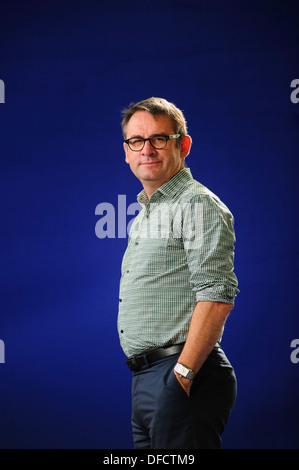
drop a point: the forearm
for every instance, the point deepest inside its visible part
(205, 328)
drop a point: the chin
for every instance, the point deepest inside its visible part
(150, 174)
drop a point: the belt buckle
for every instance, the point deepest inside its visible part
(133, 364)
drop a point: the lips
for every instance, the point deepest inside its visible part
(150, 163)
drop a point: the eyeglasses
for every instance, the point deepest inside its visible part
(158, 142)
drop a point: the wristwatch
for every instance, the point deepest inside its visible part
(184, 371)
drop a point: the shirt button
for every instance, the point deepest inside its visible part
(136, 243)
(127, 271)
(121, 331)
(120, 300)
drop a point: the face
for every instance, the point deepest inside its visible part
(154, 167)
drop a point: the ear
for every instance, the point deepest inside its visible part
(185, 145)
(126, 152)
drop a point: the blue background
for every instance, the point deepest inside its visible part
(69, 68)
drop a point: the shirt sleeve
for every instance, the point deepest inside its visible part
(209, 237)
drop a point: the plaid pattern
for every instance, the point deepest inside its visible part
(180, 251)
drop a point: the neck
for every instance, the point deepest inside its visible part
(151, 186)
(150, 189)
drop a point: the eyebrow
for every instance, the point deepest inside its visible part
(153, 135)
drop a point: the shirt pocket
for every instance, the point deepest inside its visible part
(151, 255)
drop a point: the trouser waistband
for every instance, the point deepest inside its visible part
(136, 362)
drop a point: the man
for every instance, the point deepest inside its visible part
(177, 289)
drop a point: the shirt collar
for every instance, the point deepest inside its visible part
(170, 187)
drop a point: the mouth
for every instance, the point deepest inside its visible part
(150, 163)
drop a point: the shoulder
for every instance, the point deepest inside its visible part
(197, 193)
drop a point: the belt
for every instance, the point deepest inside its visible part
(136, 362)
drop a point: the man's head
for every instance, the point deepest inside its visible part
(156, 106)
(152, 163)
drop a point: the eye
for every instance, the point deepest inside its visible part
(135, 141)
(159, 139)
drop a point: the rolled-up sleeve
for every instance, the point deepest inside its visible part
(209, 237)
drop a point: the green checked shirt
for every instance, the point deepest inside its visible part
(180, 251)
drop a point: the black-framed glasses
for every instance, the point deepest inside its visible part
(158, 142)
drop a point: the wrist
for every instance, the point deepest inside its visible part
(184, 371)
(186, 384)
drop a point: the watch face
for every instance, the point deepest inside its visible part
(184, 371)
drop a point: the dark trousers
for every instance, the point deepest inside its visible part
(164, 417)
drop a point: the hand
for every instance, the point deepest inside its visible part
(185, 383)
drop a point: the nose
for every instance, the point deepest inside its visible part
(148, 149)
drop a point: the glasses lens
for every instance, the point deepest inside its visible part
(135, 144)
(159, 141)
